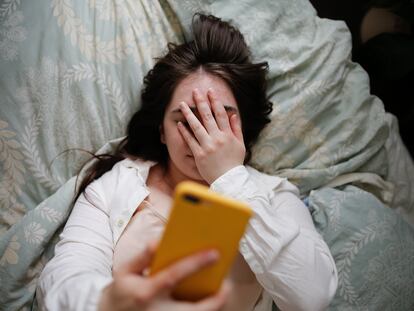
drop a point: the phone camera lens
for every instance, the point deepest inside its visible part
(192, 198)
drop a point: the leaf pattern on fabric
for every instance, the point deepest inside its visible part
(8, 6)
(269, 153)
(10, 256)
(108, 10)
(33, 159)
(393, 284)
(11, 179)
(47, 119)
(195, 6)
(91, 46)
(33, 273)
(373, 249)
(34, 233)
(109, 87)
(114, 51)
(12, 32)
(351, 248)
(49, 213)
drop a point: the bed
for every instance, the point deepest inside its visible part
(70, 78)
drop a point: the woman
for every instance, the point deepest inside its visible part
(203, 106)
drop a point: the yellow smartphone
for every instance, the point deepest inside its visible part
(201, 219)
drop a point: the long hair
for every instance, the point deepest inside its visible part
(220, 50)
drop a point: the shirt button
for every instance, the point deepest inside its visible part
(120, 223)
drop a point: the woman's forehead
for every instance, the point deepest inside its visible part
(202, 81)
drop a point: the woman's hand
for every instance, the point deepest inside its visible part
(216, 140)
(130, 290)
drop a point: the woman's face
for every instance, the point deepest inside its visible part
(181, 164)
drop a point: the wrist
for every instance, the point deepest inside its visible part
(218, 174)
(227, 175)
(104, 300)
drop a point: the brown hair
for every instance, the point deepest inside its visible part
(220, 50)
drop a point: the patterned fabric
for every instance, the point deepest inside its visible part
(71, 72)
(70, 77)
(373, 250)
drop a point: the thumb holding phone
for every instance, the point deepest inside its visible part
(132, 290)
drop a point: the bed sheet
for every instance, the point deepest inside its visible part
(400, 172)
(70, 78)
(71, 74)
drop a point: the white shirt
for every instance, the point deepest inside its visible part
(281, 246)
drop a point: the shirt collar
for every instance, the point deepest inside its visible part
(143, 167)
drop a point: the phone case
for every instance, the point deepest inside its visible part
(201, 219)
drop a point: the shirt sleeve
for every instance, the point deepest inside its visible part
(74, 278)
(282, 247)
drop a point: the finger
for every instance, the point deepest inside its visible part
(189, 138)
(140, 262)
(205, 112)
(166, 279)
(220, 113)
(198, 129)
(153, 245)
(236, 127)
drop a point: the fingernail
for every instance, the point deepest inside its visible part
(212, 255)
(182, 105)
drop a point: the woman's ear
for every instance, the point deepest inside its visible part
(162, 136)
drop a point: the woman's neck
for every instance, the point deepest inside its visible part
(173, 176)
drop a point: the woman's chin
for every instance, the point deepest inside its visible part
(195, 175)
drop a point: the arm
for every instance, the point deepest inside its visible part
(283, 249)
(281, 246)
(81, 267)
(79, 277)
